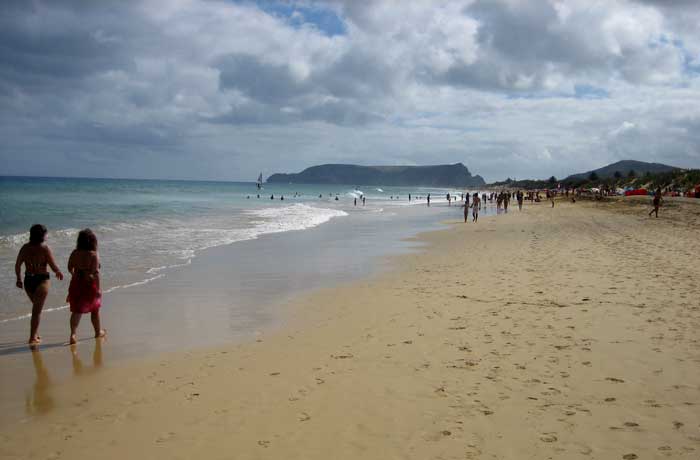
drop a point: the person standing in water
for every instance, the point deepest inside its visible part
(35, 256)
(428, 199)
(84, 292)
(656, 202)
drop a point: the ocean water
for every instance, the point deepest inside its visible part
(148, 228)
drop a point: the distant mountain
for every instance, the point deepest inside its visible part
(624, 167)
(456, 175)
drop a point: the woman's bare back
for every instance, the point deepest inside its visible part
(36, 258)
(84, 261)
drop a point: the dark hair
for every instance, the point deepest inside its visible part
(87, 241)
(37, 234)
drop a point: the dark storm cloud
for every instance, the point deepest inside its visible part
(44, 45)
(267, 83)
(274, 95)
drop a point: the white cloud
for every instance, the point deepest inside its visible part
(229, 87)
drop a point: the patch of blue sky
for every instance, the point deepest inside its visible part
(298, 14)
(691, 64)
(581, 91)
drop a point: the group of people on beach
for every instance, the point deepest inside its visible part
(84, 292)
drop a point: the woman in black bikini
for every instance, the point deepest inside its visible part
(35, 256)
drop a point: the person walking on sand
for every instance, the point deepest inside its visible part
(35, 256)
(656, 202)
(519, 197)
(84, 292)
(475, 208)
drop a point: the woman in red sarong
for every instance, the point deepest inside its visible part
(84, 293)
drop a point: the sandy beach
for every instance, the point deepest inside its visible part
(563, 333)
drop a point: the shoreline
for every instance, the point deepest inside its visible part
(212, 302)
(471, 342)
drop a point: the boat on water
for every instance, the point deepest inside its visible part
(259, 181)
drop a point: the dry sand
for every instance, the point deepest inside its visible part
(559, 333)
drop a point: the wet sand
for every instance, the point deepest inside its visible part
(228, 294)
(570, 332)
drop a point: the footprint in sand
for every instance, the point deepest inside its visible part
(629, 456)
(165, 437)
(343, 356)
(548, 437)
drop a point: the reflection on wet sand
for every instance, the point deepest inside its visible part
(78, 368)
(38, 400)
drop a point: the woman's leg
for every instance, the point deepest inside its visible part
(38, 298)
(95, 318)
(74, 321)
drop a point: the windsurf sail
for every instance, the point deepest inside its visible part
(260, 180)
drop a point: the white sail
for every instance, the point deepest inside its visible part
(260, 180)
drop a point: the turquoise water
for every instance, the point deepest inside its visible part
(147, 227)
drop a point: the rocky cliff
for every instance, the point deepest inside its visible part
(456, 175)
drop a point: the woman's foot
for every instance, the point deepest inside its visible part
(102, 333)
(73, 339)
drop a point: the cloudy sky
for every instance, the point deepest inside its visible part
(223, 89)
